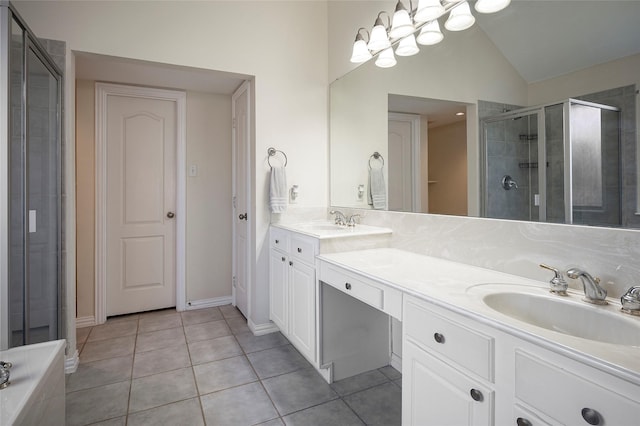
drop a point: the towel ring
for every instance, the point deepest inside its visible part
(272, 152)
(376, 155)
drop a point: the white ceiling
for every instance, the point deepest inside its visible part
(543, 39)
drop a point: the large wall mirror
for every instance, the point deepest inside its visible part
(531, 114)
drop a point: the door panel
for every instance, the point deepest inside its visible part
(141, 149)
(241, 192)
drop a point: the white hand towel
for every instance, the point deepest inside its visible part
(377, 196)
(278, 190)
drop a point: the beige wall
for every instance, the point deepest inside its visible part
(208, 238)
(448, 168)
(282, 43)
(85, 199)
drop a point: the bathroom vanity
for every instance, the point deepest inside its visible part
(470, 354)
(464, 362)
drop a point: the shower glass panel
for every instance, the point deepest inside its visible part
(31, 137)
(511, 168)
(16, 185)
(578, 179)
(42, 200)
(595, 159)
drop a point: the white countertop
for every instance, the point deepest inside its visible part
(454, 286)
(325, 230)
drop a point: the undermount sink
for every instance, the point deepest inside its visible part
(567, 315)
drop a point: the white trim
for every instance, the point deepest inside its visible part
(71, 363)
(103, 90)
(209, 303)
(396, 362)
(88, 321)
(261, 329)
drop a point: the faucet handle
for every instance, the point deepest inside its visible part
(352, 219)
(557, 284)
(631, 301)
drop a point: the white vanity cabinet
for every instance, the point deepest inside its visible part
(447, 369)
(293, 288)
(551, 389)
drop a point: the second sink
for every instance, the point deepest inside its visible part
(569, 316)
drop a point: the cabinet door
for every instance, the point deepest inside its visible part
(302, 290)
(433, 393)
(279, 289)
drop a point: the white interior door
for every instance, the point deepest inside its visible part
(141, 203)
(241, 192)
(403, 162)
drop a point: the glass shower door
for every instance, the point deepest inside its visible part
(511, 178)
(35, 185)
(43, 200)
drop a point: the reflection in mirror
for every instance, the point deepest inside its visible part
(494, 69)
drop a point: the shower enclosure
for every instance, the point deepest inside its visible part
(30, 187)
(553, 163)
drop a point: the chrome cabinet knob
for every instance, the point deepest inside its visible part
(171, 215)
(347, 286)
(591, 416)
(476, 395)
(438, 337)
(523, 422)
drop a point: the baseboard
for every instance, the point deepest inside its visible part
(86, 321)
(71, 363)
(396, 362)
(260, 329)
(208, 303)
(326, 371)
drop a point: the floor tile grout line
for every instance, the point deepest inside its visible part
(198, 396)
(133, 363)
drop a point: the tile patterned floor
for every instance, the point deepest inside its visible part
(206, 367)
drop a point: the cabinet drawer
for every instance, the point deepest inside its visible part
(468, 348)
(571, 395)
(279, 238)
(302, 248)
(370, 292)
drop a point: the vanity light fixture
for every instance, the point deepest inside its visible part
(379, 39)
(460, 18)
(386, 59)
(407, 46)
(360, 51)
(491, 6)
(407, 22)
(402, 25)
(428, 10)
(430, 34)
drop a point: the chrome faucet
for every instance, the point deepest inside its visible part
(340, 218)
(353, 219)
(593, 293)
(4, 374)
(631, 301)
(557, 284)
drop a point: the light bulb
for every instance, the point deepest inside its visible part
(428, 10)
(407, 46)
(491, 6)
(460, 18)
(430, 34)
(386, 59)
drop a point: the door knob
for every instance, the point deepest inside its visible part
(242, 216)
(171, 215)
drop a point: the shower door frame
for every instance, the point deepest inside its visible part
(29, 42)
(542, 154)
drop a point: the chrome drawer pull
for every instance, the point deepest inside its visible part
(591, 416)
(347, 286)
(438, 337)
(299, 250)
(523, 422)
(476, 395)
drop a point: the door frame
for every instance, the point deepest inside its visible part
(244, 87)
(103, 91)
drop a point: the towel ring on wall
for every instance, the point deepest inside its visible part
(272, 152)
(376, 155)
